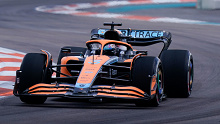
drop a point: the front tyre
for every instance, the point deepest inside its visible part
(32, 72)
(33, 99)
(147, 76)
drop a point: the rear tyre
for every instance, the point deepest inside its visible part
(178, 73)
(32, 71)
(144, 68)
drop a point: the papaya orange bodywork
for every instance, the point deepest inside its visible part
(124, 88)
(153, 84)
(117, 91)
(64, 60)
(49, 93)
(114, 95)
(91, 68)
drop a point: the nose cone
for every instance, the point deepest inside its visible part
(91, 68)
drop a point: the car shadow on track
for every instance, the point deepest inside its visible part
(85, 104)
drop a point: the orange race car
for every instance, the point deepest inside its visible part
(108, 69)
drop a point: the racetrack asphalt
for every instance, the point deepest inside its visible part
(26, 30)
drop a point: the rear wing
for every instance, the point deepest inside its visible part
(136, 37)
(133, 36)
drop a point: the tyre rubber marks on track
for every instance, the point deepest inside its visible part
(77, 10)
(10, 61)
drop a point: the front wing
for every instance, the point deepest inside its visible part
(97, 91)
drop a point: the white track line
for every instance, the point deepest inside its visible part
(9, 64)
(7, 72)
(7, 84)
(5, 50)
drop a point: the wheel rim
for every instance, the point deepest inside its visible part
(190, 78)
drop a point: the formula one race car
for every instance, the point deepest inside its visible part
(108, 69)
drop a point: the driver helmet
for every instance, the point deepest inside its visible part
(109, 47)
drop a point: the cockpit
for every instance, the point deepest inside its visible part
(109, 48)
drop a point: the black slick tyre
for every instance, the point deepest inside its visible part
(144, 69)
(32, 71)
(178, 73)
